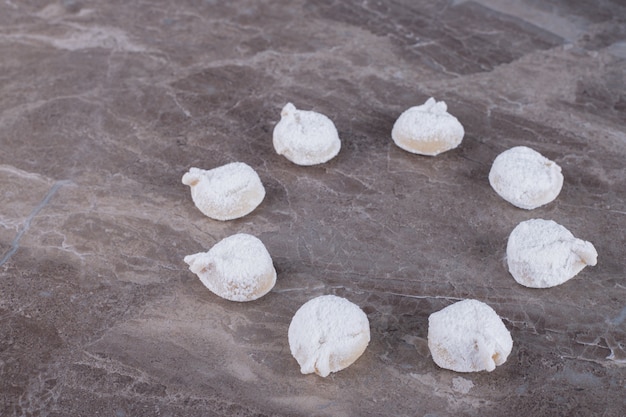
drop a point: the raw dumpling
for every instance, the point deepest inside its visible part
(542, 254)
(327, 334)
(427, 129)
(237, 268)
(227, 192)
(305, 137)
(468, 336)
(525, 178)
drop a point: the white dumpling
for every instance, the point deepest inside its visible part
(542, 254)
(227, 192)
(525, 178)
(327, 334)
(305, 137)
(468, 336)
(427, 129)
(237, 268)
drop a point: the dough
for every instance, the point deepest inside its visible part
(327, 334)
(237, 268)
(427, 129)
(525, 178)
(542, 254)
(305, 137)
(468, 336)
(227, 192)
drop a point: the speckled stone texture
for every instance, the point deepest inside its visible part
(104, 106)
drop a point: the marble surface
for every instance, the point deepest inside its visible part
(104, 106)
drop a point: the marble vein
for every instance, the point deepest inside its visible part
(15, 244)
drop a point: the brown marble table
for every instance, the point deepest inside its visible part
(104, 106)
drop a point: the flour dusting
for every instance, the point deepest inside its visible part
(227, 192)
(427, 129)
(327, 334)
(305, 137)
(542, 254)
(525, 178)
(237, 268)
(468, 336)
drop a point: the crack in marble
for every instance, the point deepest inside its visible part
(619, 319)
(15, 244)
(425, 297)
(82, 38)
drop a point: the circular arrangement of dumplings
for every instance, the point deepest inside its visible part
(542, 254)
(427, 129)
(525, 178)
(327, 334)
(227, 192)
(305, 137)
(237, 268)
(468, 336)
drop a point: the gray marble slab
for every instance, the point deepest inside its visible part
(104, 106)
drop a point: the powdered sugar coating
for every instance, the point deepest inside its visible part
(525, 178)
(427, 129)
(237, 268)
(543, 254)
(327, 334)
(227, 192)
(468, 336)
(305, 137)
